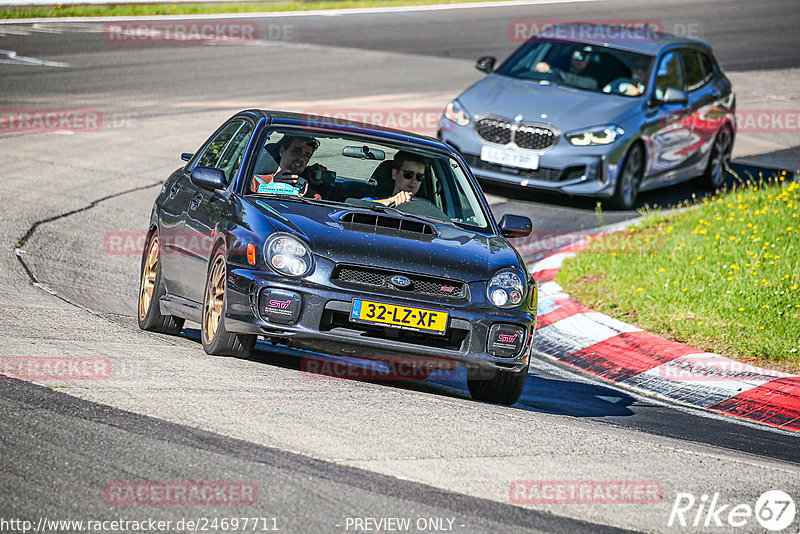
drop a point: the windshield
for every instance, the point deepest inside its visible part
(583, 66)
(350, 170)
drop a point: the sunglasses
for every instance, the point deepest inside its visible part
(410, 175)
(580, 56)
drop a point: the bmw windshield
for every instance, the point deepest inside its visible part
(582, 66)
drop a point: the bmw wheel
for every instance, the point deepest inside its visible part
(217, 340)
(629, 179)
(719, 160)
(151, 289)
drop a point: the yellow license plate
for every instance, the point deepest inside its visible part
(366, 311)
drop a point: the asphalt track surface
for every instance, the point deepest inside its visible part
(320, 451)
(745, 35)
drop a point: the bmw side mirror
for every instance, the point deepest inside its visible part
(515, 226)
(486, 64)
(675, 96)
(208, 178)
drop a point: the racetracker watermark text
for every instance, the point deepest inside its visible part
(713, 368)
(50, 120)
(180, 493)
(199, 32)
(55, 367)
(418, 120)
(767, 120)
(125, 243)
(585, 492)
(641, 242)
(605, 30)
(395, 369)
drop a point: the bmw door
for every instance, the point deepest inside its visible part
(671, 132)
(707, 101)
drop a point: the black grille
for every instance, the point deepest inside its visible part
(494, 130)
(425, 285)
(363, 277)
(373, 223)
(534, 137)
(542, 173)
(526, 135)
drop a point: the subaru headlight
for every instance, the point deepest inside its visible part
(456, 113)
(506, 289)
(288, 255)
(597, 135)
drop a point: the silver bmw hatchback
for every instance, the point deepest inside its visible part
(595, 118)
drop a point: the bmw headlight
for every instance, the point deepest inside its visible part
(456, 113)
(506, 289)
(288, 255)
(598, 135)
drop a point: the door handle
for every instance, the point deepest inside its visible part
(195, 201)
(174, 190)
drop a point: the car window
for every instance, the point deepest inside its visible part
(582, 66)
(669, 74)
(232, 155)
(212, 153)
(462, 207)
(360, 172)
(707, 64)
(523, 64)
(694, 71)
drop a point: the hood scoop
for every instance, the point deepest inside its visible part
(378, 224)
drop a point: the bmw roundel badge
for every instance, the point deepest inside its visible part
(400, 281)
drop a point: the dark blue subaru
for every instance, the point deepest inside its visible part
(340, 238)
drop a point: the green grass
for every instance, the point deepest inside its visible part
(131, 10)
(722, 276)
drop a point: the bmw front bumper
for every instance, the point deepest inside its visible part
(565, 168)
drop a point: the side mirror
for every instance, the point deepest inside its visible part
(486, 64)
(187, 156)
(208, 178)
(515, 226)
(675, 96)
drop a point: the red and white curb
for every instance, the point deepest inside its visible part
(582, 338)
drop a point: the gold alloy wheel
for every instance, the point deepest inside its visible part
(215, 293)
(148, 285)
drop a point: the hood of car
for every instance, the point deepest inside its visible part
(564, 108)
(361, 236)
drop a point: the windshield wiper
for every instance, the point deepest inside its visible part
(377, 207)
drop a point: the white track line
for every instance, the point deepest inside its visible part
(14, 59)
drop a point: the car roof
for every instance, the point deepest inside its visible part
(332, 124)
(643, 39)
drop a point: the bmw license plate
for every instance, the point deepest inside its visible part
(420, 320)
(510, 157)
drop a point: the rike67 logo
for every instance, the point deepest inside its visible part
(774, 510)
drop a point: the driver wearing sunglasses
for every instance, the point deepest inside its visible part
(408, 173)
(574, 74)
